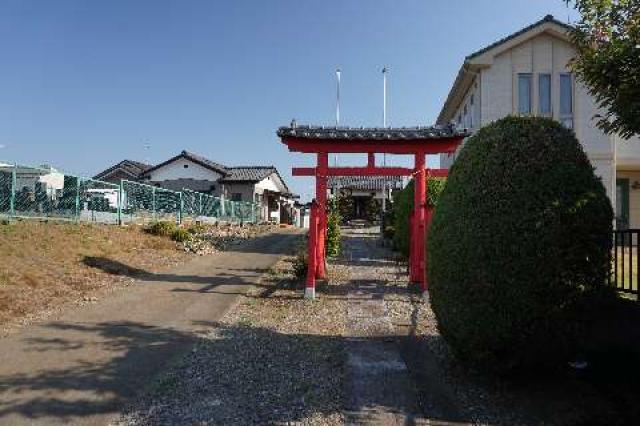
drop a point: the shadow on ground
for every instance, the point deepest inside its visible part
(140, 346)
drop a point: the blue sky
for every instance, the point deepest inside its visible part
(86, 83)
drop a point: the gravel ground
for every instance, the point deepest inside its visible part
(278, 359)
(273, 359)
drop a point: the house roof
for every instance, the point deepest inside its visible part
(370, 133)
(546, 19)
(204, 162)
(483, 57)
(251, 174)
(130, 167)
(366, 183)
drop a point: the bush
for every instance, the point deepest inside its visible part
(346, 207)
(162, 228)
(332, 243)
(518, 245)
(300, 265)
(181, 235)
(403, 208)
(197, 228)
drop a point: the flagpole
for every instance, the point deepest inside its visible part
(335, 156)
(384, 125)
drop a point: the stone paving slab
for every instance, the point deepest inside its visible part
(379, 387)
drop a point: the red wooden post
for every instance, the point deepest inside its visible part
(312, 256)
(321, 196)
(419, 204)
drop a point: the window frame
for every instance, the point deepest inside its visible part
(549, 94)
(529, 77)
(566, 118)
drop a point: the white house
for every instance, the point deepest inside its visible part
(259, 184)
(528, 73)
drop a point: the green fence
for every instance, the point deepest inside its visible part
(45, 193)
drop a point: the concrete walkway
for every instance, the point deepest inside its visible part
(83, 366)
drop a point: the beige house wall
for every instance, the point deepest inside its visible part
(495, 92)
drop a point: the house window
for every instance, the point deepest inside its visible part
(466, 117)
(544, 95)
(524, 94)
(236, 196)
(186, 166)
(566, 100)
(471, 102)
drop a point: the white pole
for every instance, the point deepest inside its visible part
(384, 124)
(338, 97)
(335, 156)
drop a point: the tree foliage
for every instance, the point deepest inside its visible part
(403, 208)
(607, 40)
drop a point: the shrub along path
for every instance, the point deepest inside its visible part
(82, 366)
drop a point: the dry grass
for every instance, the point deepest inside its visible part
(42, 264)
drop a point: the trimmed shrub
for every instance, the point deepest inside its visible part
(403, 208)
(181, 235)
(332, 243)
(518, 246)
(346, 207)
(162, 228)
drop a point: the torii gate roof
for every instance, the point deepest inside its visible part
(398, 140)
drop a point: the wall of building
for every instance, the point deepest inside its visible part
(246, 190)
(176, 176)
(177, 170)
(498, 98)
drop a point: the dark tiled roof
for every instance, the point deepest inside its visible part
(252, 174)
(365, 183)
(248, 173)
(131, 167)
(204, 162)
(375, 133)
(548, 18)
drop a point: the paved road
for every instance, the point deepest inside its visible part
(81, 367)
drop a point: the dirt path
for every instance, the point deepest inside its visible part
(82, 366)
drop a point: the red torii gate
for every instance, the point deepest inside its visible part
(417, 141)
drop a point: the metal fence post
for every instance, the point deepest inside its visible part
(153, 203)
(120, 199)
(12, 199)
(233, 210)
(77, 215)
(200, 207)
(180, 209)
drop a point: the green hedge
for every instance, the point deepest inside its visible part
(518, 246)
(332, 243)
(402, 208)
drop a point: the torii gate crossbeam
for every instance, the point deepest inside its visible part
(322, 141)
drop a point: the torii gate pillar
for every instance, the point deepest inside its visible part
(418, 223)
